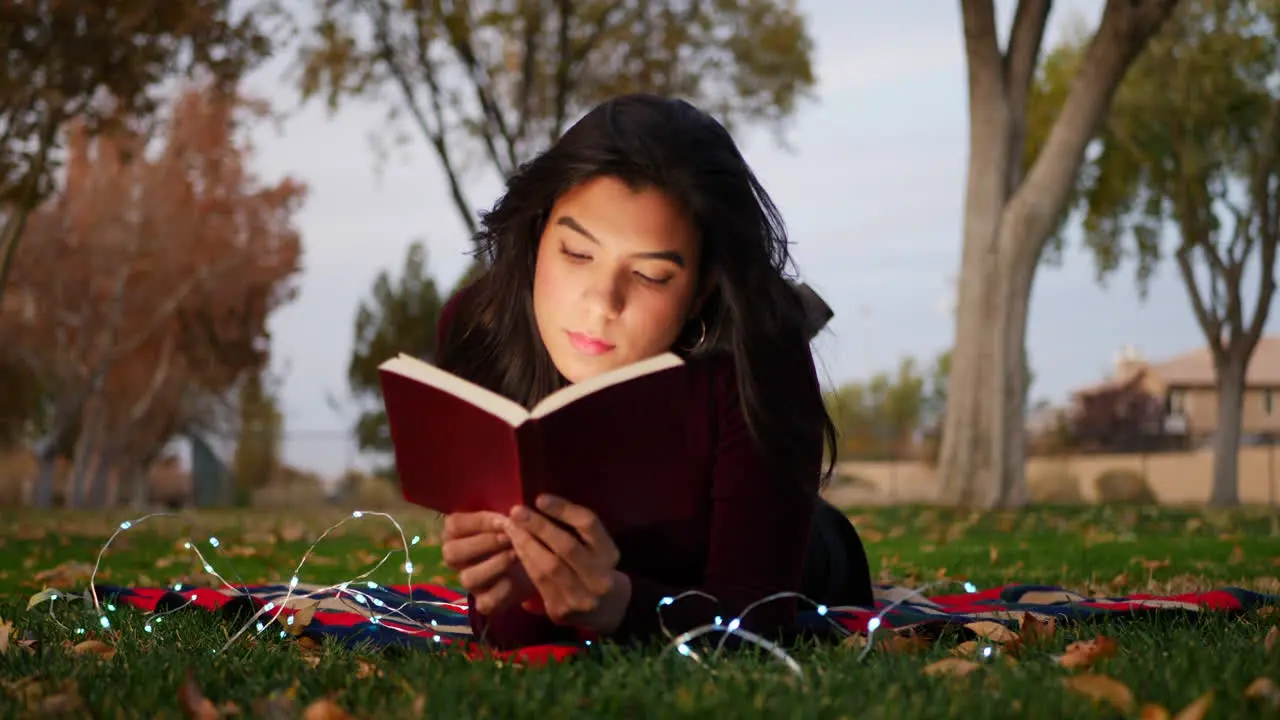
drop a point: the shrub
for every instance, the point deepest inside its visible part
(1054, 486)
(1124, 485)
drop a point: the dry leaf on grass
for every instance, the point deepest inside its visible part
(1153, 712)
(1265, 690)
(71, 572)
(194, 704)
(6, 627)
(43, 596)
(94, 647)
(906, 644)
(366, 669)
(955, 667)
(1085, 653)
(296, 623)
(1197, 709)
(324, 709)
(1103, 689)
(1269, 642)
(993, 631)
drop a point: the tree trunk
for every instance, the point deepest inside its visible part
(100, 479)
(42, 492)
(86, 448)
(1008, 219)
(1226, 441)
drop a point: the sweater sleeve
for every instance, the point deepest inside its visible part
(759, 533)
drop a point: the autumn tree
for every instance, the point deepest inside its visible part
(150, 277)
(1192, 143)
(399, 316)
(99, 63)
(878, 418)
(496, 82)
(1012, 206)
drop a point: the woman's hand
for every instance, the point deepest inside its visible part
(476, 547)
(577, 580)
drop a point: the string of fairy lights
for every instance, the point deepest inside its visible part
(353, 594)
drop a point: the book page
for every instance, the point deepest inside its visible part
(491, 402)
(565, 396)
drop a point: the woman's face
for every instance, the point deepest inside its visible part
(615, 278)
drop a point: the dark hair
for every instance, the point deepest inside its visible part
(752, 312)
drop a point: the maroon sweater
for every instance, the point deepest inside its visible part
(746, 541)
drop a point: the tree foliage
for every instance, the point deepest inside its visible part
(399, 316)
(496, 81)
(99, 64)
(147, 283)
(1192, 144)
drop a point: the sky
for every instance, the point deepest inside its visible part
(871, 188)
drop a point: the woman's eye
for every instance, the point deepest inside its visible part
(577, 257)
(653, 280)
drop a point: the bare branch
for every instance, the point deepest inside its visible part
(459, 35)
(1209, 322)
(982, 48)
(1019, 70)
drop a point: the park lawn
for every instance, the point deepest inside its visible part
(1099, 550)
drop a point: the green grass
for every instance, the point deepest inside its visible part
(1099, 550)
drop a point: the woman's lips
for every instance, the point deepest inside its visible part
(589, 345)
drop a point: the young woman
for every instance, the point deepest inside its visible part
(643, 231)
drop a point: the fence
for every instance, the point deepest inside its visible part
(1176, 478)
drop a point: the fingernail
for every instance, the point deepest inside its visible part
(520, 513)
(548, 502)
(504, 540)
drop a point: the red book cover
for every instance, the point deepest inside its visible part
(614, 443)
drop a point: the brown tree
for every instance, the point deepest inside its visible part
(1011, 209)
(150, 278)
(96, 63)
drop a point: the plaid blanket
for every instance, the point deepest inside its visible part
(434, 616)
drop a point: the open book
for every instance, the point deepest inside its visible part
(608, 443)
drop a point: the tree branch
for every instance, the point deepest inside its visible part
(459, 35)
(387, 53)
(1209, 323)
(1019, 71)
(982, 49)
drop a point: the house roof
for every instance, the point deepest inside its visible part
(1195, 368)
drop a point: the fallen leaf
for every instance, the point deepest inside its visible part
(993, 631)
(71, 572)
(1153, 712)
(296, 623)
(966, 648)
(94, 647)
(1237, 556)
(277, 705)
(906, 644)
(6, 627)
(44, 595)
(62, 703)
(194, 704)
(993, 552)
(324, 709)
(291, 532)
(366, 669)
(1101, 688)
(1197, 709)
(956, 667)
(1269, 642)
(1035, 631)
(1085, 653)
(1265, 690)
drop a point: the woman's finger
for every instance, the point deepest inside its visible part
(465, 551)
(582, 519)
(557, 539)
(484, 573)
(459, 525)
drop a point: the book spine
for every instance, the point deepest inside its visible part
(531, 462)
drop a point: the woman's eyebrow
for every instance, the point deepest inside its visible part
(669, 255)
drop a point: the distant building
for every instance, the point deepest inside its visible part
(1175, 401)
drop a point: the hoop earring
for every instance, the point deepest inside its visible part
(702, 336)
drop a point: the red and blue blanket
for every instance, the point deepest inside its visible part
(435, 616)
